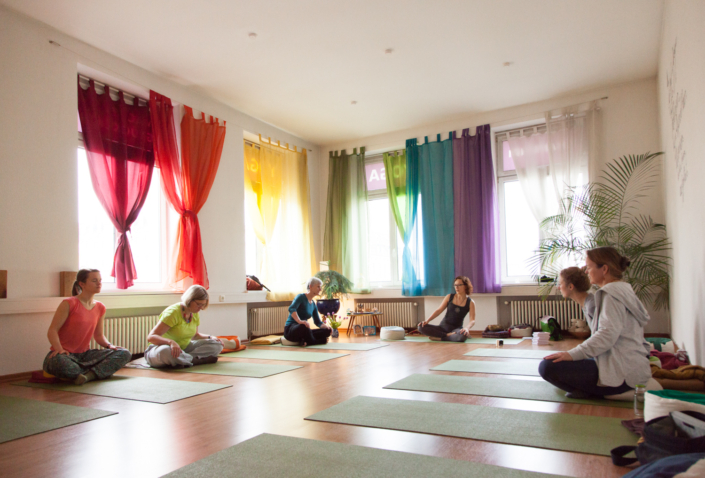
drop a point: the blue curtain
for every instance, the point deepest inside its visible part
(429, 251)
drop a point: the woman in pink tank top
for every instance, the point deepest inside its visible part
(76, 321)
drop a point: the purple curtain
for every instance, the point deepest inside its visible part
(475, 211)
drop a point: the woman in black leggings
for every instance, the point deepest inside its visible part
(297, 328)
(457, 306)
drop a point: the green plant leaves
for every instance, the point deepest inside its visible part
(335, 285)
(605, 213)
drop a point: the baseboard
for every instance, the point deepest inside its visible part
(14, 377)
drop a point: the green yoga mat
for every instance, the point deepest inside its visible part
(143, 389)
(472, 340)
(337, 346)
(239, 369)
(555, 431)
(510, 353)
(303, 458)
(291, 355)
(21, 417)
(485, 366)
(495, 387)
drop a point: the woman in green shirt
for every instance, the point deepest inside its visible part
(175, 340)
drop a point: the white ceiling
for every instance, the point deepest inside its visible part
(311, 58)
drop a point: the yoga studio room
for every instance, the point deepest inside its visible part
(327, 239)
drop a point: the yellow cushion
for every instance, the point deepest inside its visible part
(268, 340)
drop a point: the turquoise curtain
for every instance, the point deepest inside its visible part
(345, 237)
(429, 250)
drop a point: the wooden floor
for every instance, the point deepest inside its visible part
(149, 440)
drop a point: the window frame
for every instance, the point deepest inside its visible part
(377, 194)
(504, 177)
(164, 240)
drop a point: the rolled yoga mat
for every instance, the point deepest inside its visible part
(290, 355)
(510, 353)
(239, 369)
(303, 458)
(495, 387)
(21, 417)
(336, 346)
(155, 390)
(471, 340)
(555, 431)
(486, 366)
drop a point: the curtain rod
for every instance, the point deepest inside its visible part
(125, 93)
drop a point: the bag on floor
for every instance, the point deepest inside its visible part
(550, 324)
(665, 436)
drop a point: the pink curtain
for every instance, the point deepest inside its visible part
(187, 185)
(118, 140)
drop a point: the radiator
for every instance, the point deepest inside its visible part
(530, 311)
(266, 321)
(128, 332)
(401, 314)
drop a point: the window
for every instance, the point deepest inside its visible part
(148, 235)
(385, 243)
(519, 230)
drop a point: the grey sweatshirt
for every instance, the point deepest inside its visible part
(617, 343)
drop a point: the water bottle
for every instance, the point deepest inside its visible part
(639, 393)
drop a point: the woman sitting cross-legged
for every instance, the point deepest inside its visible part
(297, 328)
(76, 320)
(457, 306)
(175, 340)
(615, 358)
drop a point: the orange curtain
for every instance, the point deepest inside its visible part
(201, 147)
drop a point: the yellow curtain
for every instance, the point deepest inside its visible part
(277, 197)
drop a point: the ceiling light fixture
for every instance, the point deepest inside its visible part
(353, 102)
(507, 63)
(389, 51)
(252, 35)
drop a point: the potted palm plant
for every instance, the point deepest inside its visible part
(605, 214)
(335, 286)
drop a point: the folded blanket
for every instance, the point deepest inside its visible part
(686, 372)
(692, 385)
(668, 360)
(268, 340)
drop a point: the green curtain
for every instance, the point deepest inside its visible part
(345, 237)
(395, 171)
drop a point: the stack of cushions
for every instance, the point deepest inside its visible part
(662, 402)
(231, 343)
(392, 333)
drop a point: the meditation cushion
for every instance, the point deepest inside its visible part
(289, 342)
(660, 403)
(628, 396)
(268, 340)
(392, 333)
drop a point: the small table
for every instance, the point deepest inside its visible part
(354, 315)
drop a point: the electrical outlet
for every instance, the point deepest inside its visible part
(221, 298)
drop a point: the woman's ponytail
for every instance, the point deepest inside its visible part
(81, 276)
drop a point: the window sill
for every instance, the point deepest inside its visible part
(36, 305)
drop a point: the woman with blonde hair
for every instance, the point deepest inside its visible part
(75, 321)
(297, 328)
(175, 340)
(615, 358)
(457, 306)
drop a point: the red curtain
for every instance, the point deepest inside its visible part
(118, 140)
(187, 187)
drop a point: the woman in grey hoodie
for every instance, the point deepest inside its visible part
(615, 358)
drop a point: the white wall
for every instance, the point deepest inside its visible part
(630, 126)
(682, 114)
(38, 180)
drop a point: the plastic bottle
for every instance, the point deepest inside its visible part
(639, 395)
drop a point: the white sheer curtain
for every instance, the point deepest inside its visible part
(532, 162)
(573, 144)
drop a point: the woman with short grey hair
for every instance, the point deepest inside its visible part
(297, 328)
(175, 340)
